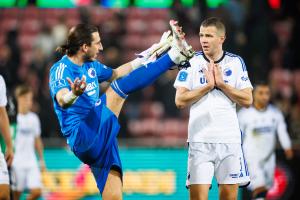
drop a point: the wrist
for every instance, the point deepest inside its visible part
(221, 86)
(136, 63)
(210, 86)
(9, 146)
(70, 98)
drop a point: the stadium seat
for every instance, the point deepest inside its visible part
(29, 26)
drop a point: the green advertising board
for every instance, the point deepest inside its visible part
(149, 174)
(13, 131)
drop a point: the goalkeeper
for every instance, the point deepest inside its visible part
(89, 123)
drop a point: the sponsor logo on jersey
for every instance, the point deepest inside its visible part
(262, 130)
(203, 80)
(91, 86)
(92, 73)
(25, 131)
(91, 92)
(182, 76)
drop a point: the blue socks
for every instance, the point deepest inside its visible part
(142, 76)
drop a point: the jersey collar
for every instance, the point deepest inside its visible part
(68, 62)
(222, 57)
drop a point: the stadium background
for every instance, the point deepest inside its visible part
(152, 139)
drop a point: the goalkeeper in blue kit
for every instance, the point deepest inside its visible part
(89, 121)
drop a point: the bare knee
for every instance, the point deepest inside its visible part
(228, 192)
(199, 192)
(35, 194)
(113, 195)
(113, 186)
(198, 196)
(260, 192)
(228, 196)
(4, 194)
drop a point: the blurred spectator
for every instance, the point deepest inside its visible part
(60, 31)
(10, 59)
(45, 42)
(84, 13)
(38, 62)
(165, 93)
(5, 58)
(112, 56)
(113, 30)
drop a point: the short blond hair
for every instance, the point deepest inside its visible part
(22, 90)
(216, 22)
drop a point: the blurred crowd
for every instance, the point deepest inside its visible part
(267, 38)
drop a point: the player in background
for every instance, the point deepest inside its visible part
(89, 122)
(212, 86)
(260, 124)
(4, 130)
(25, 168)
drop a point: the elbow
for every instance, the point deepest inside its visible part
(180, 104)
(247, 103)
(64, 106)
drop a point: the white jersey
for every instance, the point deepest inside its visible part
(4, 179)
(260, 129)
(3, 98)
(213, 118)
(28, 128)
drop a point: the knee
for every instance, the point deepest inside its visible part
(199, 196)
(228, 194)
(35, 194)
(260, 195)
(4, 195)
(115, 195)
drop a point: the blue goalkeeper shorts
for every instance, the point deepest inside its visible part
(96, 143)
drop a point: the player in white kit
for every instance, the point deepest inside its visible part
(212, 86)
(260, 124)
(4, 130)
(25, 169)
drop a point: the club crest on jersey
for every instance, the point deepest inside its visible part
(92, 73)
(227, 72)
(182, 76)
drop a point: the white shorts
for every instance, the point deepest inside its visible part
(4, 177)
(224, 161)
(25, 178)
(262, 172)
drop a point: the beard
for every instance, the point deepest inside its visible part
(88, 58)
